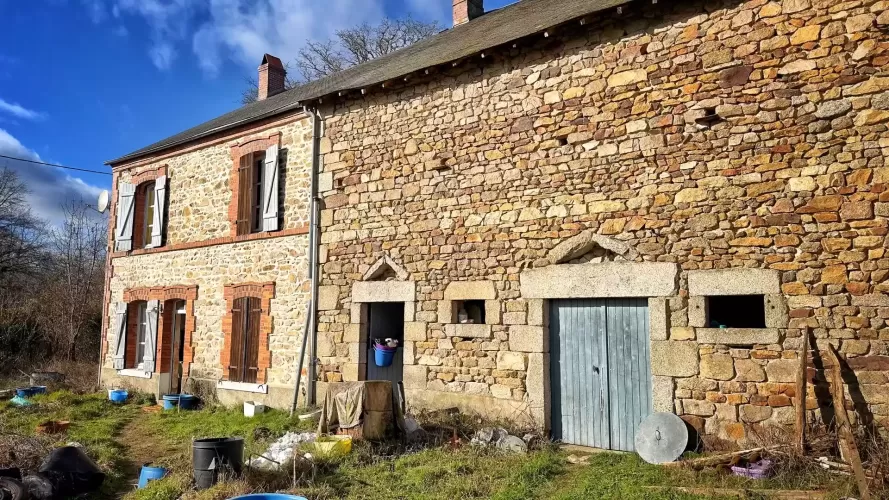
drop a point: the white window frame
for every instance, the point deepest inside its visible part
(148, 213)
(141, 331)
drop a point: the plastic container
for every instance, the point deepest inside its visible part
(183, 401)
(215, 457)
(333, 445)
(383, 355)
(756, 470)
(268, 496)
(150, 474)
(252, 408)
(27, 392)
(118, 395)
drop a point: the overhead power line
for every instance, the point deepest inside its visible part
(55, 165)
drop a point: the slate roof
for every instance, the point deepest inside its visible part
(494, 28)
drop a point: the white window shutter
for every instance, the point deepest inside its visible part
(120, 335)
(123, 234)
(152, 311)
(270, 190)
(160, 198)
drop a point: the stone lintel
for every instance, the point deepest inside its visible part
(468, 330)
(674, 359)
(606, 279)
(528, 339)
(738, 336)
(736, 281)
(470, 290)
(384, 291)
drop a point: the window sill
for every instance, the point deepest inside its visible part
(738, 336)
(468, 330)
(243, 387)
(134, 372)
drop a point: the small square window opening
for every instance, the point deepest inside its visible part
(736, 311)
(470, 311)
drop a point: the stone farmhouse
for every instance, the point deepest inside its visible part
(572, 213)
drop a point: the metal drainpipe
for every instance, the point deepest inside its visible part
(314, 242)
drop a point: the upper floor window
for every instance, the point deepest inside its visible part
(256, 196)
(250, 197)
(140, 214)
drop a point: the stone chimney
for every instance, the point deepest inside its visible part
(467, 10)
(271, 77)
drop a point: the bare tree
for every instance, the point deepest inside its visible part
(71, 298)
(350, 47)
(21, 232)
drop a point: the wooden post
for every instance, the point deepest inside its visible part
(844, 427)
(801, 393)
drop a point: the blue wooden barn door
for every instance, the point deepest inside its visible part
(600, 371)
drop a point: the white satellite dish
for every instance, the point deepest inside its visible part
(103, 201)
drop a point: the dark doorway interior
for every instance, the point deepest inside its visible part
(385, 320)
(178, 340)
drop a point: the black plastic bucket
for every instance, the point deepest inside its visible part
(216, 457)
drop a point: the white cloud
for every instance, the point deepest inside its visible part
(49, 188)
(19, 111)
(168, 20)
(96, 10)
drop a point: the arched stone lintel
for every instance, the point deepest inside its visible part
(380, 267)
(585, 242)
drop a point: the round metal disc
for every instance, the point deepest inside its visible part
(662, 437)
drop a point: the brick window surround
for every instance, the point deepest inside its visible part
(238, 150)
(150, 175)
(265, 292)
(187, 293)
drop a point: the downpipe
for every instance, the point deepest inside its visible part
(310, 334)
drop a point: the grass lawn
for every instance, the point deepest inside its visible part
(121, 438)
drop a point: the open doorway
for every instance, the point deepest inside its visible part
(385, 320)
(177, 331)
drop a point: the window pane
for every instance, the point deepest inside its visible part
(149, 214)
(257, 193)
(142, 320)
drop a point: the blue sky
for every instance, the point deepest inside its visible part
(84, 81)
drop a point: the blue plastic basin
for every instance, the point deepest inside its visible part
(268, 496)
(118, 396)
(27, 392)
(150, 474)
(183, 401)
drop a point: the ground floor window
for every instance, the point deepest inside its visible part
(244, 359)
(141, 332)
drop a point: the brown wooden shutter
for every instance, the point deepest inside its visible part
(245, 195)
(236, 359)
(252, 341)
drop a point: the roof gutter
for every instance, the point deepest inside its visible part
(210, 132)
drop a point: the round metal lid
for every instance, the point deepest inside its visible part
(661, 438)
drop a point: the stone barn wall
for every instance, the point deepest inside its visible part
(746, 142)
